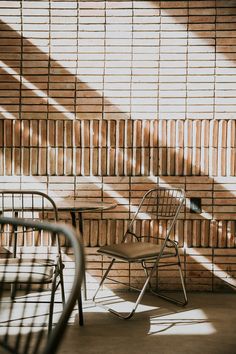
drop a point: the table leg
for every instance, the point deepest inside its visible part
(80, 307)
(13, 286)
(73, 219)
(81, 231)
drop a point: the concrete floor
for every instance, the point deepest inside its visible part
(206, 325)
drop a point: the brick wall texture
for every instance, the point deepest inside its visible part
(105, 99)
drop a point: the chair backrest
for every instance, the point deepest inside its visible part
(27, 204)
(158, 204)
(33, 205)
(24, 319)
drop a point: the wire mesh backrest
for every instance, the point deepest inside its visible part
(24, 315)
(28, 205)
(162, 202)
(158, 204)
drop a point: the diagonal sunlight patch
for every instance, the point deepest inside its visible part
(118, 300)
(183, 322)
(192, 322)
(213, 268)
(115, 195)
(37, 91)
(6, 114)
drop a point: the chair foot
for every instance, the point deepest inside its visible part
(137, 302)
(118, 314)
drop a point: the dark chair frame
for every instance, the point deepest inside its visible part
(19, 203)
(54, 338)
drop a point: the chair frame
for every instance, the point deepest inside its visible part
(149, 270)
(14, 209)
(56, 334)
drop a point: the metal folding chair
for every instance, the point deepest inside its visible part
(24, 317)
(158, 204)
(31, 205)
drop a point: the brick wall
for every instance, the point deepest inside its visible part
(104, 99)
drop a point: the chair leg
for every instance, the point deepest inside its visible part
(62, 286)
(171, 299)
(13, 291)
(146, 284)
(80, 308)
(142, 291)
(51, 305)
(131, 313)
(103, 279)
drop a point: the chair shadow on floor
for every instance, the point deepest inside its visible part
(157, 327)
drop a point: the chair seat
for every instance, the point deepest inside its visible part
(16, 270)
(135, 251)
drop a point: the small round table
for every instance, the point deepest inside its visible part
(76, 206)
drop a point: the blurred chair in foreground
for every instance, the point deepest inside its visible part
(149, 250)
(32, 205)
(23, 316)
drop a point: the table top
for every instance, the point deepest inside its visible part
(75, 205)
(66, 205)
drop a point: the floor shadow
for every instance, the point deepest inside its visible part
(166, 329)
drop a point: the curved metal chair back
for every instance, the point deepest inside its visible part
(162, 202)
(158, 204)
(24, 317)
(27, 204)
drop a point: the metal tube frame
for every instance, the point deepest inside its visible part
(151, 269)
